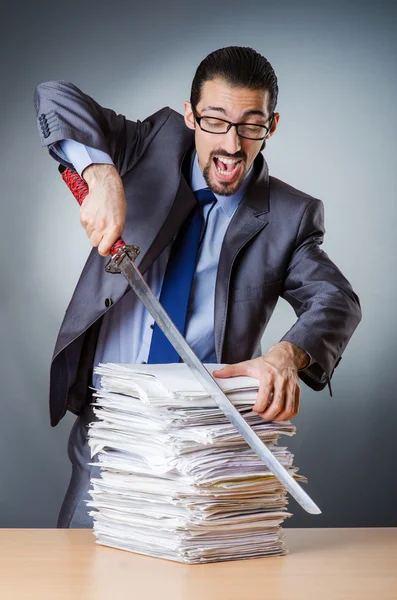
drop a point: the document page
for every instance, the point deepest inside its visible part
(177, 480)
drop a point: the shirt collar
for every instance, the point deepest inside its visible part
(227, 203)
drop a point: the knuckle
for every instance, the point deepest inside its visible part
(264, 416)
(101, 225)
(114, 225)
(266, 388)
(283, 378)
(271, 411)
(267, 379)
(276, 402)
(278, 397)
(260, 405)
(271, 371)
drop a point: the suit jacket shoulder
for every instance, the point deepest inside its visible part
(288, 195)
(290, 206)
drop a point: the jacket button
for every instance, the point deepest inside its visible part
(152, 326)
(108, 302)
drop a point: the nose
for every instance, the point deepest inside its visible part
(232, 142)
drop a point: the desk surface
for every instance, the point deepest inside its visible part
(323, 564)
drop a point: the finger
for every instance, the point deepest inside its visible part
(232, 370)
(290, 402)
(278, 400)
(264, 396)
(95, 238)
(89, 229)
(83, 220)
(107, 242)
(84, 214)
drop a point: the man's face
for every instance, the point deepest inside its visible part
(225, 158)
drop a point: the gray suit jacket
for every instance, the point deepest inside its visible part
(271, 247)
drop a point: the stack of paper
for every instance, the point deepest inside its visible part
(177, 480)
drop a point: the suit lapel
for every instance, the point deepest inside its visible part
(183, 204)
(161, 199)
(249, 218)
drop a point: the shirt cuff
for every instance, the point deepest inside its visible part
(311, 361)
(79, 155)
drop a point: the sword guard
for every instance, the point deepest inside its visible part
(125, 251)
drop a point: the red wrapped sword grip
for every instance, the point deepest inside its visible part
(79, 189)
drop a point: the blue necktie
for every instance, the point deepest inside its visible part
(175, 291)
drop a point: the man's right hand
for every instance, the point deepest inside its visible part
(104, 209)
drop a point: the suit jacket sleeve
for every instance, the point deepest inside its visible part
(328, 310)
(65, 112)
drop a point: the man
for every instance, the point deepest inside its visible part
(258, 239)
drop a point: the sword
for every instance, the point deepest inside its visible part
(123, 261)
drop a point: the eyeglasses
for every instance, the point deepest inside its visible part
(250, 131)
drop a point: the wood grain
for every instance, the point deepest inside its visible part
(323, 564)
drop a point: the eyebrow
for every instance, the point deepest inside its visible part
(246, 114)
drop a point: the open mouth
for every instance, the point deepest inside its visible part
(227, 168)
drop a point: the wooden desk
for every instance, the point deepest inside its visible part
(323, 564)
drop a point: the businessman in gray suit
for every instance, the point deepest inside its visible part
(259, 239)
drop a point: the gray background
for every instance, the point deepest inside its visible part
(336, 64)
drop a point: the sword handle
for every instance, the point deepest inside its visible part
(79, 189)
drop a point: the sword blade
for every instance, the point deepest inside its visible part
(145, 294)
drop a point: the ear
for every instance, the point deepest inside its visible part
(189, 116)
(273, 128)
(276, 118)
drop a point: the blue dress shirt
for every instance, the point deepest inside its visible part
(126, 329)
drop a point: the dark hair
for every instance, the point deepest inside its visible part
(240, 67)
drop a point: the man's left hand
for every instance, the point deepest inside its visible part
(277, 373)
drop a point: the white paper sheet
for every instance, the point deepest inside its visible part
(177, 480)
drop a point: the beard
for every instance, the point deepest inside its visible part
(224, 188)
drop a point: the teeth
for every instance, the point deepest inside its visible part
(227, 172)
(228, 161)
